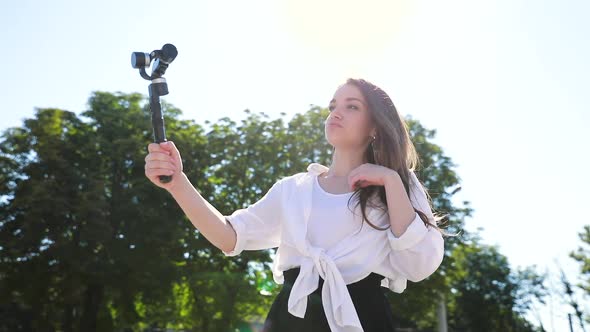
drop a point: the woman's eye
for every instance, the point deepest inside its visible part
(331, 108)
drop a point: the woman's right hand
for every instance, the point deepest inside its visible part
(163, 159)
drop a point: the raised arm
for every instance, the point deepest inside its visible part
(255, 227)
(418, 251)
(164, 159)
(204, 216)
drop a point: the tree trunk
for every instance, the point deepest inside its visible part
(442, 314)
(68, 320)
(92, 301)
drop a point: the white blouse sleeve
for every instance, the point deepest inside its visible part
(258, 226)
(419, 251)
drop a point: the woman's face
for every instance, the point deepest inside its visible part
(349, 109)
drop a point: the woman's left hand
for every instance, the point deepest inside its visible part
(370, 175)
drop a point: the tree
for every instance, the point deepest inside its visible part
(75, 238)
(582, 255)
(84, 227)
(486, 294)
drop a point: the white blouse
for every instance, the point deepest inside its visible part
(330, 219)
(284, 218)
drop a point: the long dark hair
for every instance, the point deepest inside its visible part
(391, 148)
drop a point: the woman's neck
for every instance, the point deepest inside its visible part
(343, 162)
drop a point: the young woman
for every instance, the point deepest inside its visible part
(333, 256)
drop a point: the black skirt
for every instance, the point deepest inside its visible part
(371, 304)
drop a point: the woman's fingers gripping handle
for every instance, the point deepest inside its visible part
(162, 163)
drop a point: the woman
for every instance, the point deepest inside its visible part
(332, 266)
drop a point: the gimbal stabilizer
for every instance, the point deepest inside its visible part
(157, 88)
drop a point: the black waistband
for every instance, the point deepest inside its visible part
(372, 281)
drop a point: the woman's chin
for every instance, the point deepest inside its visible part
(336, 144)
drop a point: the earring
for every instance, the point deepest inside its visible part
(373, 149)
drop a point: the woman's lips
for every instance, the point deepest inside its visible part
(335, 125)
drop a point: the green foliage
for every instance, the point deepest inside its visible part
(88, 243)
(582, 255)
(486, 294)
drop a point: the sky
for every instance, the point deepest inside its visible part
(504, 84)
